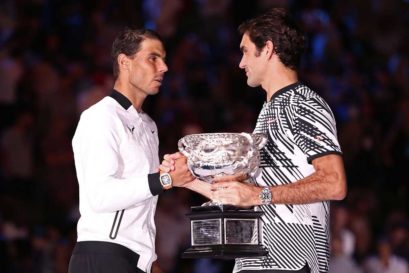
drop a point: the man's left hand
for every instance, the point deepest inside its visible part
(236, 193)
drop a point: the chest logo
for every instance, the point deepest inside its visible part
(271, 120)
(131, 128)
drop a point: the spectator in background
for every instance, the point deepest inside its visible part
(340, 227)
(384, 261)
(341, 262)
(17, 162)
(362, 76)
(11, 70)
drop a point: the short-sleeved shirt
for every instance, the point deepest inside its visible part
(300, 127)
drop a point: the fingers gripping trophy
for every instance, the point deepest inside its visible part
(219, 230)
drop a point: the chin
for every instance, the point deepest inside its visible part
(252, 84)
(154, 91)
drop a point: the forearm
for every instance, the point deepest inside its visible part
(200, 187)
(108, 194)
(314, 188)
(328, 182)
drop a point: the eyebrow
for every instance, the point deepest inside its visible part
(158, 55)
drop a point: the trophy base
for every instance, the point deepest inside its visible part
(225, 252)
(224, 232)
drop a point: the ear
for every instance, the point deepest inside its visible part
(269, 49)
(123, 62)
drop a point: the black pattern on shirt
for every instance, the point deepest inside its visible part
(300, 127)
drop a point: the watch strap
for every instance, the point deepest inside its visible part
(154, 184)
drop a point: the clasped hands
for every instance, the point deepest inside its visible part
(226, 189)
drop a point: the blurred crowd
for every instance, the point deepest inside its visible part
(55, 62)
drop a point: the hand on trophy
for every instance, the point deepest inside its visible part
(235, 193)
(240, 177)
(176, 165)
(221, 163)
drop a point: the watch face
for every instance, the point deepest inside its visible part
(265, 196)
(166, 179)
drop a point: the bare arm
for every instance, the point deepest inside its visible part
(200, 187)
(328, 182)
(169, 165)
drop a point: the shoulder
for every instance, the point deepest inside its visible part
(103, 109)
(101, 116)
(306, 99)
(304, 94)
(295, 95)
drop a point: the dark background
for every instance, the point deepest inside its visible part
(55, 62)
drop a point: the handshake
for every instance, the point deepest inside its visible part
(215, 164)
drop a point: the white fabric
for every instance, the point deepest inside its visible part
(115, 149)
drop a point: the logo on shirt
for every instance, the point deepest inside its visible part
(271, 120)
(131, 128)
(319, 137)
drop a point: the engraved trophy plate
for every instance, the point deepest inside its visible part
(241, 231)
(208, 232)
(217, 230)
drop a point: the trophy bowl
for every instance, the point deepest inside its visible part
(213, 154)
(217, 230)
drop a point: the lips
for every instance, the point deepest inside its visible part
(158, 79)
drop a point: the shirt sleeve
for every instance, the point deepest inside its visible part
(96, 151)
(315, 129)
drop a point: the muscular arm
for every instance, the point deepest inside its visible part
(328, 182)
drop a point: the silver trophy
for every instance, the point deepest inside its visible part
(215, 154)
(218, 230)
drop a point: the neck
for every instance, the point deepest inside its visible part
(136, 100)
(279, 78)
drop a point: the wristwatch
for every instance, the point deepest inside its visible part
(265, 196)
(165, 180)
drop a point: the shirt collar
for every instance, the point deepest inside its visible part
(121, 99)
(283, 90)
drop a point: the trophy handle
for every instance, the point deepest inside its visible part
(260, 140)
(183, 148)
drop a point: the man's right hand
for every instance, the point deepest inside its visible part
(168, 163)
(176, 165)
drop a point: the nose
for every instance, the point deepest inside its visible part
(163, 67)
(242, 63)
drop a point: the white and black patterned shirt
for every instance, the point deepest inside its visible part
(300, 127)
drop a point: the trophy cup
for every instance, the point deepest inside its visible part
(218, 230)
